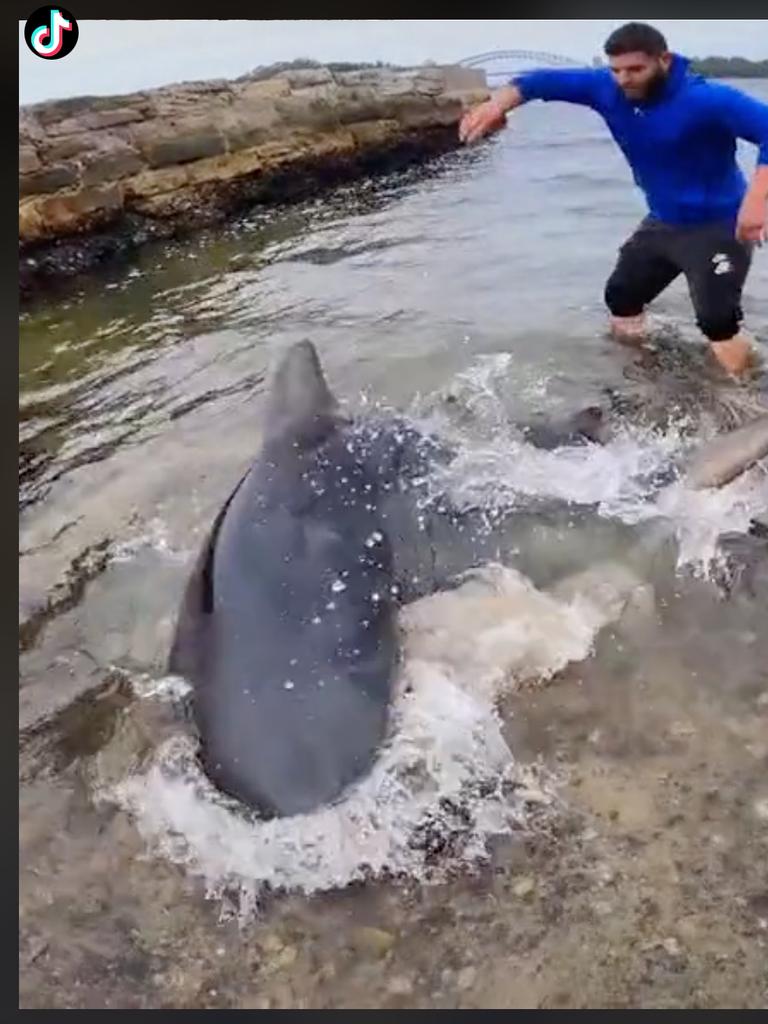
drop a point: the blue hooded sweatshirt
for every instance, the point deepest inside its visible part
(681, 145)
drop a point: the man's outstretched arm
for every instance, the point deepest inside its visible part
(572, 85)
(489, 116)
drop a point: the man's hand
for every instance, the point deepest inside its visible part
(482, 120)
(752, 223)
(489, 116)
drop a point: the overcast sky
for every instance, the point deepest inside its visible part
(122, 56)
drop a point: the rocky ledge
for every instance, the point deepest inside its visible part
(100, 175)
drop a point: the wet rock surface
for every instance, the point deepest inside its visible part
(99, 176)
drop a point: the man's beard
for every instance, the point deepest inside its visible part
(650, 90)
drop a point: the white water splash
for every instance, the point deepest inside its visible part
(478, 394)
(446, 778)
(617, 479)
(496, 469)
(613, 477)
(171, 688)
(447, 781)
(700, 518)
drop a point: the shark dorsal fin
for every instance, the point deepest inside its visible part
(301, 408)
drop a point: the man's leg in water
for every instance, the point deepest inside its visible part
(716, 265)
(642, 272)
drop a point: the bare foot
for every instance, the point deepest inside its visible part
(735, 355)
(629, 330)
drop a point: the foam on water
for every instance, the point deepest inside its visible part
(701, 518)
(446, 781)
(626, 479)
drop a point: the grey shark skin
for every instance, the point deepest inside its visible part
(287, 629)
(728, 455)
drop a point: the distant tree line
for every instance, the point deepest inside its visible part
(304, 63)
(709, 67)
(719, 67)
(729, 67)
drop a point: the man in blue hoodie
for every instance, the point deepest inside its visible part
(678, 133)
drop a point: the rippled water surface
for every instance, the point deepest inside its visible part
(608, 739)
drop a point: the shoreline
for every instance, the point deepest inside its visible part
(101, 176)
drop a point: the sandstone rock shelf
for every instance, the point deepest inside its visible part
(101, 175)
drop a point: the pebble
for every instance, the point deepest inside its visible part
(682, 729)
(257, 1003)
(524, 887)
(466, 978)
(671, 946)
(271, 943)
(37, 948)
(285, 958)
(327, 972)
(605, 874)
(400, 986)
(374, 940)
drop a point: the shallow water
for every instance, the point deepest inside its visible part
(572, 811)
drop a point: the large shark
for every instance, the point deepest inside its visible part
(287, 629)
(288, 625)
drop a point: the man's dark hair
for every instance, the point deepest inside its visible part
(636, 37)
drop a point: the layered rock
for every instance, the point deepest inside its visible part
(98, 175)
